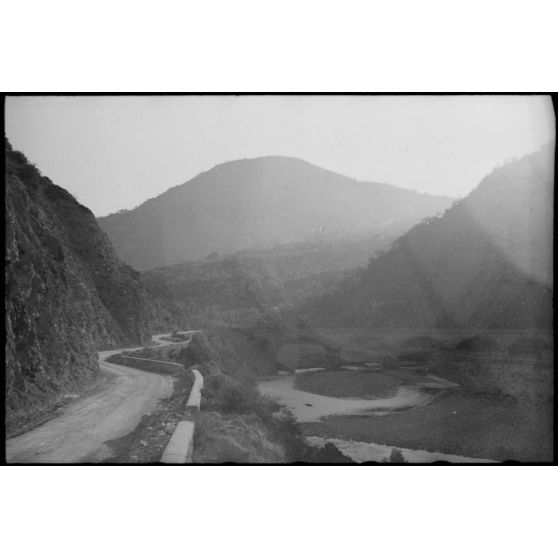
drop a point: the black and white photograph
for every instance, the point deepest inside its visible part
(279, 279)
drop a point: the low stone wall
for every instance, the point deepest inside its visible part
(149, 365)
(180, 448)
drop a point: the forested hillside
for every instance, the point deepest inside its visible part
(486, 263)
(232, 291)
(238, 290)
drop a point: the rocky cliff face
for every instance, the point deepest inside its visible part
(67, 293)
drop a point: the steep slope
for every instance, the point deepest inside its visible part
(487, 262)
(232, 291)
(258, 203)
(67, 293)
(239, 289)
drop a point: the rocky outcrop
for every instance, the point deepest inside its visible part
(67, 293)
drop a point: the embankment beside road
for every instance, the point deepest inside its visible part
(147, 442)
(235, 424)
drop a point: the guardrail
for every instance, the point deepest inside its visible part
(153, 360)
(181, 445)
(165, 365)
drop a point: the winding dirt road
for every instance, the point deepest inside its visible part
(80, 433)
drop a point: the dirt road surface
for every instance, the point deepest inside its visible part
(81, 432)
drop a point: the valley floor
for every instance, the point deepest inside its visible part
(425, 415)
(454, 423)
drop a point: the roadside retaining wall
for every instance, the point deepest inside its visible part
(181, 445)
(161, 366)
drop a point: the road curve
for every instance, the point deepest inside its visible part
(80, 433)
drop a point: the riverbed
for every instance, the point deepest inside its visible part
(361, 452)
(313, 408)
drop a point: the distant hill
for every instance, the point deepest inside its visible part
(256, 204)
(486, 263)
(67, 293)
(240, 289)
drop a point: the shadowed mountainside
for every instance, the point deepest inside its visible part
(238, 289)
(231, 291)
(67, 293)
(259, 203)
(486, 263)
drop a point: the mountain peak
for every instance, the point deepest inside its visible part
(259, 203)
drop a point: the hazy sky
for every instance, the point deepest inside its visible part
(115, 152)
